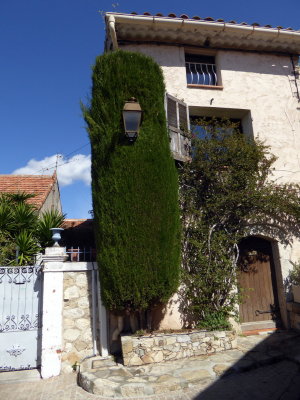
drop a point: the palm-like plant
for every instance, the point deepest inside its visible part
(23, 233)
(48, 220)
(27, 247)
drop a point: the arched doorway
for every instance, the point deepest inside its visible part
(257, 282)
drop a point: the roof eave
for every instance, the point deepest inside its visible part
(135, 27)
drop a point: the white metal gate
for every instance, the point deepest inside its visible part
(20, 317)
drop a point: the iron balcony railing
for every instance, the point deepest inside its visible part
(81, 254)
(201, 74)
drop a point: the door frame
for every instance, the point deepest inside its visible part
(278, 290)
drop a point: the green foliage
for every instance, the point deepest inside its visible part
(294, 274)
(226, 194)
(22, 232)
(49, 219)
(27, 246)
(135, 186)
(215, 320)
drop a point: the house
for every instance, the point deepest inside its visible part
(78, 238)
(244, 72)
(44, 187)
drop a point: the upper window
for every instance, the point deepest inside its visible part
(201, 70)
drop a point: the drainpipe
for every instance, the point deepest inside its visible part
(94, 294)
(102, 315)
(112, 31)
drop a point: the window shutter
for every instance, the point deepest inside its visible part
(178, 124)
(172, 112)
(183, 121)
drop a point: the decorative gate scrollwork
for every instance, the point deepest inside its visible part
(20, 311)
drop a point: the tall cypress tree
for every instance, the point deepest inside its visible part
(134, 185)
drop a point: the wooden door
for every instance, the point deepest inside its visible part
(257, 282)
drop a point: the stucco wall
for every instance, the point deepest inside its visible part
(258, 87)
(53, 200)
(260, 83)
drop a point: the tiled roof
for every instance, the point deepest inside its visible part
(40, 185)
(209, 19)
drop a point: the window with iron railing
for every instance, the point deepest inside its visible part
(201, 70)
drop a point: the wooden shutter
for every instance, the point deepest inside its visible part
(172, 112)
(178, 124)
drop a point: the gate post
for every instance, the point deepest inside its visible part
(52, 311)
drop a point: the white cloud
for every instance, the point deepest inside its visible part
(77, 168)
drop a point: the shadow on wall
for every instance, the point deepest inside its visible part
(268, 371)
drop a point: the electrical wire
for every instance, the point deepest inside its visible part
(54, 165)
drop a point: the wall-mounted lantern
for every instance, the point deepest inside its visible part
(132, 118)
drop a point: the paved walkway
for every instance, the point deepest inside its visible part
(262, 368)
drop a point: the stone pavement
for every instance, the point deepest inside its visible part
(263, 368)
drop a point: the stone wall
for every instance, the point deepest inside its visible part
(165, 347)
(77, 318)
(294, 315)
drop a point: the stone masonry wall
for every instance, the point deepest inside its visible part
(77, 318)
(165, 347)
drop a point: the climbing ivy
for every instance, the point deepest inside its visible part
(227, 193)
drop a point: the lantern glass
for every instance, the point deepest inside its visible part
(132, 121)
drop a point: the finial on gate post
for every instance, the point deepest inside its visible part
(56, 235)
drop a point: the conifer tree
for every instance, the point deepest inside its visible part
(134, 185)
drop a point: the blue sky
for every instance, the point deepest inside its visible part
(47, 50)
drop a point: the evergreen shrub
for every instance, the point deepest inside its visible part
(134, 185)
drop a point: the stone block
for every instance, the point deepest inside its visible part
(219, 334)
(73, 313)
(104, 387)
(127, 346)
(195, 375)
(132, 390)
(87, 336)
(200, 352)
(68, 323)
(183, 338)
(171, 356)
(219, 369)
(170, 340)
(82, 323)
(71, 292)
(157, 357)
(135, 360)
(80, 345)
(83, 302)
(82, 280)
(71, 334)
(147, 359)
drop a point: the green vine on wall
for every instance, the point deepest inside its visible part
(227, 193)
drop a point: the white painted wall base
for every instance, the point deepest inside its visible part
(52, 311)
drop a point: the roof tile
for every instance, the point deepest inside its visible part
(39, 185)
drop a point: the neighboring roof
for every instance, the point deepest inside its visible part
(40, 185)
(204, 32)
(78, 233)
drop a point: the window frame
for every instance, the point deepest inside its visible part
(208, 53)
